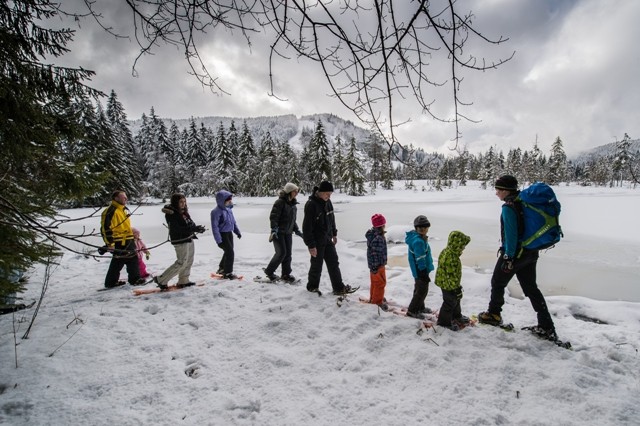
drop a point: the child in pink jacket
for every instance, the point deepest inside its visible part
(140, 249)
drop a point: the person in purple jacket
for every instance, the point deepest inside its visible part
(223, 226)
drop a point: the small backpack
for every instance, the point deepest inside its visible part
(540, 215)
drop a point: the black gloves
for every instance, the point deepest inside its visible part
(102, 250)
(274, 234)
(423, 274)
(506, 264)
(200, 229)
(221, 246)
(298, 233)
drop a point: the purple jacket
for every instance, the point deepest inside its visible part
(222, 219)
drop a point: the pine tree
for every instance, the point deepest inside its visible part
(621, 160)
(386, 173)
(354, 173)
(128, 171)
(557, 163)
(338, 163)
(246, 162)
(39, 116)
(268, 178)
(320, 155)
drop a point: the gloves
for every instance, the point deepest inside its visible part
(102, 250)
(298, 233)
(200, 229)
(221, 246)
(507, 264)
(147, 255)
(239, 236)
(274, 234)
(423, 274)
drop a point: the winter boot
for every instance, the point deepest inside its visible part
(489, 318)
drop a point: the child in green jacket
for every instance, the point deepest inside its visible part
(448, 276)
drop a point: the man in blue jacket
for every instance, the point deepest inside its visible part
(508, 265)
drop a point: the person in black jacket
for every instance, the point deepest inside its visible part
(320, 236)
(182, 232)
(283, 225)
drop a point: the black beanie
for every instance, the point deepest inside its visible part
(325, 186)
(507, 182)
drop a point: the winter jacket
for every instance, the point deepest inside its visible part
(449, 272)
(419, 253)
(283, 215)
(509, 228)
(319, 224)
(115, 225)
(181, 227)
(222, 219)
(376, 249)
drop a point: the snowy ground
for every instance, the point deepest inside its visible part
(263, 354)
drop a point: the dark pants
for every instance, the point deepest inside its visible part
(123, 254)
(450, 309)
(329, 255)
(226, 263)
(524, 268)
(420, 291)
(282, 245)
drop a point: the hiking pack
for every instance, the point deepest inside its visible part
(540, 213)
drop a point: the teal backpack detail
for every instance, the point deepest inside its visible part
(540, 215)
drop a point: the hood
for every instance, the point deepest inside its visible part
(371, 234)
(457, 242)
(168, 209)
(412, 236)
(221, 197)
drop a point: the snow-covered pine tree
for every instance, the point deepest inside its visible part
(115, 157)
(621, 160)
(462, 167)
(338, 163)
(128, 173)
(557, 167)
(268, 182)
(246, 162)
(354, 177)
(386, 172)
(286, 164)
(320, 155)
(225, 162)
(168, 176)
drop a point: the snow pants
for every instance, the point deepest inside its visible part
(524, 268)
(327, 254)
(123, 254)
(282, 256)
(226, 263)
(378, 283)
(182, 266)
(420, 291)
(450, 309)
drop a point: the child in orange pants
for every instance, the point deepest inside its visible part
(377, 259)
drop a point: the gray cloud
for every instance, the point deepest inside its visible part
(573, 76)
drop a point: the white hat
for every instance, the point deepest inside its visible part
(290, 187)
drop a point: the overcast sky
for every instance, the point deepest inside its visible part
(574, 75)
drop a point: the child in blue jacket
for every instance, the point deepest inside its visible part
(421, 263)
(223, 226)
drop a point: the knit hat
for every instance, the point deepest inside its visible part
(507, 182)
(290, 187)
(421, 221)
(325, 186)
(377, 220)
